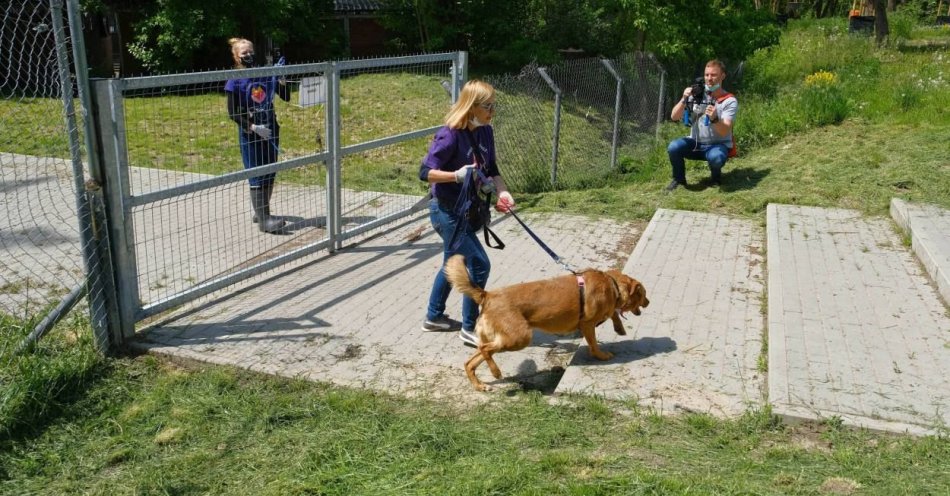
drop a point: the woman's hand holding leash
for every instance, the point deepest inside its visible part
(505, 202)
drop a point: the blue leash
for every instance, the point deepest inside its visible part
(544, 246)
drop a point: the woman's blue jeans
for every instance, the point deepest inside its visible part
(476, 261)
(686, 148)
(255, 152)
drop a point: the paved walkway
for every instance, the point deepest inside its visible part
(354, 318)
(856, 326)
(696, 346)
(855, 329)
(929, 230)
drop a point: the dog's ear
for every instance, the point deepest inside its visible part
(623, 284)
(638, 296)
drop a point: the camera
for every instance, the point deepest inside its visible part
(697, 91)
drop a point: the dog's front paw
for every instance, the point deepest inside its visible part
(603, 355)
(484, 388)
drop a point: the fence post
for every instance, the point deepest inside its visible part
(334, 193)
(459, 74)
(97, 269)
(659, 105)
(111, 170)
(617, 101)
(555, 145)
(103, 278)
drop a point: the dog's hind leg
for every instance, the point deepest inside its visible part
(516, 336)
(486, 354)
(470, 365)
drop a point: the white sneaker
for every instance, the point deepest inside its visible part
(468, 337)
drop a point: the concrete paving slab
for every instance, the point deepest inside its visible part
(353, 318)
(696, 346)
(855, 329)
(929, 229)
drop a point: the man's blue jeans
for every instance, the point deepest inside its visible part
(476, 261)
(686, 148)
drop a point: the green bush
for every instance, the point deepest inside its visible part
(821, 100)
(764, 121)
(802, 52)
(901, 24)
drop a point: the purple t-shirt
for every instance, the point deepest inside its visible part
(451, 149)
(256, 96)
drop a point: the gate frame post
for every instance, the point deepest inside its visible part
(335, 165)
(111, 171)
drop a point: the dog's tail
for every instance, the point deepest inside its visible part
(457, 274)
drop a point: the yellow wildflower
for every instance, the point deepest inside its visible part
(821, 78)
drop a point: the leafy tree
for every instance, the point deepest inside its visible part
(499, 35)
(684, 34)
(176, 35)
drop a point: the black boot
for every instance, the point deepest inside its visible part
(268, 192)
(265, 222)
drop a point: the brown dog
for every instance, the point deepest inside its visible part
(552, 305)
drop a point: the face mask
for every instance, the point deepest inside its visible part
(248, 60)
(475, 122)
(710, 89)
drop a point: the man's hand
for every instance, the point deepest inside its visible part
(711, 114)
(687, 93)
(262, 131)
(461, 173)
(505, 202)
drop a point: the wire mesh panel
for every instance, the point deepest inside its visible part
(45, 220)
(641, 110)
(388, 110)
(193, 217)
(524, 129)
(589, 95)
(556, 125)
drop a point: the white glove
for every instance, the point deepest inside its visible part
(262, 131)
(461, 173)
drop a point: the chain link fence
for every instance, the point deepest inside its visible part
(575, 124)
(48, 259)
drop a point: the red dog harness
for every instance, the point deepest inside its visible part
(580, 290)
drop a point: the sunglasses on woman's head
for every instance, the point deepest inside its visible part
(488, 106)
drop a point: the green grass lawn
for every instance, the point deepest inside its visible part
(145, 426)
(72, 422)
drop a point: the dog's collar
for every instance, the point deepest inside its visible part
(617, 289)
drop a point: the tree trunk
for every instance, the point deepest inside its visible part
(881, 29)
(891, 5)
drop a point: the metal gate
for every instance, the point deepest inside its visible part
(176, 194)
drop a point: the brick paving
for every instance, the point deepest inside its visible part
(353, 318)
(695, 347)
(856, 330)
(856, 326)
